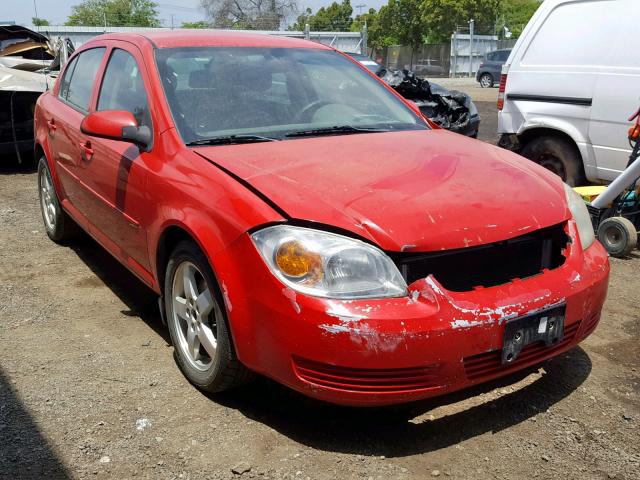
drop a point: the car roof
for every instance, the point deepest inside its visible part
(212, 38)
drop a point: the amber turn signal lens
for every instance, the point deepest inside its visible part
(634, 132)
(294, 260)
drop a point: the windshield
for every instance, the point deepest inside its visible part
(242, 92)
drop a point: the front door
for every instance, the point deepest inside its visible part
(116, 174)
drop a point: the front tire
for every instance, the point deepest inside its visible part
(197, 323)
(557, 155)
(618, 236)
(59, 226)
(486, 80)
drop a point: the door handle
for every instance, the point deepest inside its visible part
(86, 152)
(51, 124)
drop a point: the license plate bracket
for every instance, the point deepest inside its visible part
(545, 325)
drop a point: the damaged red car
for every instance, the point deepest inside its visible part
(299, 219)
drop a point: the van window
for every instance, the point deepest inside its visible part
(563, 40)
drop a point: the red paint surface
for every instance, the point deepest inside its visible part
(429, 190)
(107, 123)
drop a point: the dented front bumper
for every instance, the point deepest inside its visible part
(394, 350)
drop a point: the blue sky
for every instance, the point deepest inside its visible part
(56, 11)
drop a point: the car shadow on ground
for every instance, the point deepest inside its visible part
(140, 300)
(395, 431)
(24, 452)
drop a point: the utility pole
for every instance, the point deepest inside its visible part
(360, 7)
(104, 17)
(35, 10)
(172, 21)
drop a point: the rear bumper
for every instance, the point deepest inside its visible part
(386, 351)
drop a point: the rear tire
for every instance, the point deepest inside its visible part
(486, 80)
(557, 155)
(198, 327)
(60, 227)
(618, 236)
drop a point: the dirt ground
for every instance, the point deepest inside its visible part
(89, 389)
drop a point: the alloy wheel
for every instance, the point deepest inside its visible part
(195, 315)
(486, 81)
(47, 200)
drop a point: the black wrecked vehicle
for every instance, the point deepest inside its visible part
(450, 109)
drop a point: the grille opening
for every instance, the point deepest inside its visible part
(489, 265)
(368, 380)
(490, 363)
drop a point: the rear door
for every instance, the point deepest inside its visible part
(116, 174)
(617, 92)
(75, 95)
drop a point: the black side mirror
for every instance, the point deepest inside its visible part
(141, 136)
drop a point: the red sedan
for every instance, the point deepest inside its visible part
(299, 219)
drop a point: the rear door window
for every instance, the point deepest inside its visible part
(78, 91)
(123, 88)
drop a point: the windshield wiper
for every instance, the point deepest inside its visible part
(336, 130)
(231, 139)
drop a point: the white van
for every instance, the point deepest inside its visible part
(569, 86)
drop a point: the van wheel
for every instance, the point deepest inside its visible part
(197, 325)
(59, 226)
(557, 155)
(618, 236)
(486, 80)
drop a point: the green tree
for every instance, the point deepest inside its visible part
(370, 18)
(335, 17)
(441, 17)
(197, 24)
(121, 13)
(399, 22)
(410, 26)
(39, 22)
(301, 21)
(515, 14)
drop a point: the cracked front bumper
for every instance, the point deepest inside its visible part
(394, 350)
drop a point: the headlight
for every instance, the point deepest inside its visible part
(328, 265)
(581, 216)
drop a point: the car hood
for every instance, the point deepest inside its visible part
(412, 190)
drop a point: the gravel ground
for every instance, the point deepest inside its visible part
(89, 389)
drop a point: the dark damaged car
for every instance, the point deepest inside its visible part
(449, 109)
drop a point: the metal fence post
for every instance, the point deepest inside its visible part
(364, 49)
(472, 24)
(455, 53)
